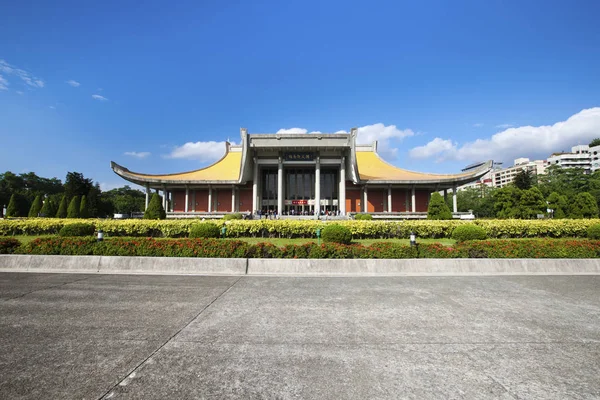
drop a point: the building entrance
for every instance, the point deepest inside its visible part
(299, 191)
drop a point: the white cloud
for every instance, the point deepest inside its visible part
(19, 92)
(342, 131)
(73, 83)
(98, 97)
(3, 83)
(525, 141)
(293, 130)
(25, 76)
(478, 125)
(435, 147)
(503, 126)
(140, 154)
(387, 137)
(52, 107)
(202, 151)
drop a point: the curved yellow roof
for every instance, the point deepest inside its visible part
(226, 169)
(372, 168)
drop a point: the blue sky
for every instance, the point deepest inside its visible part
(441, 84)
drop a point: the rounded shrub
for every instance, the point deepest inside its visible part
(228, 217)
(363, 217)
(468, 232)
(77, 229)
(593, 232)
(205, 230)
(336, 234)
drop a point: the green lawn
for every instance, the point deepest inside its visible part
(280, 242)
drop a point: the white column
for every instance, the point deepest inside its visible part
(389, 198)
(454, 201)
(194, 201)
(365, 207)
(233, 199)
(255, 188)
(280, 187)
(187, 198)
(209, 199)
(413, 200)
(147, 195)
(342, 191)
(165, 197)
(318, 186)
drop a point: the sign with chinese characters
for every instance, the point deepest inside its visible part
(296, 156)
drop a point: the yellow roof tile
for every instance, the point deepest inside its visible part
(372, 167)
(226, 169)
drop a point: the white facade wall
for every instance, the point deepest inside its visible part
(579, 157)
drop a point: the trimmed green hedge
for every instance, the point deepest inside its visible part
(564, 228)
(205, 230)
(509, 248)
(335, 233)
(468, 232)
(77, 229)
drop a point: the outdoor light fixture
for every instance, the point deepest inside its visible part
(413, 239)
(100, 235)
(318, 232)
(223, 231)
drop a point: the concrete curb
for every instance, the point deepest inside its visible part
(297, 267)
(423, 267)
(123, 265)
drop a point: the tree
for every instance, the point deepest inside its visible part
(155, 208)
(558, 205)
(531, 203)
(524, 179)
(49, 209)
(74, 205)
(438, 209)
(506, 200)
(14, 208)
(77, 185)
(84, 211)
(584, 206)
(126, 200)
(595, 142)
(62, 208)
(36, 207)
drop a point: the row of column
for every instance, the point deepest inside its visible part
(280, 195)
(165, 198)
(341, 197)
(413, 201)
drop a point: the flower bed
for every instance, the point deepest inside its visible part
(567, 228)
(519, 248)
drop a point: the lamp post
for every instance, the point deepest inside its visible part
(413, 239)
(318, 232)
(223, 231)
(100, 235)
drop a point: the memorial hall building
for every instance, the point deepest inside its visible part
(299, 174)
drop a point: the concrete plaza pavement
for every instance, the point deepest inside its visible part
(155, 337)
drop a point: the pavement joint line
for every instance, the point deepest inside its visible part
(108, 395)
(512, 395)
(384, 345)
(49, 287)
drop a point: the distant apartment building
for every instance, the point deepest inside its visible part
(500, 177)
(580, 157)
(507, 175)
